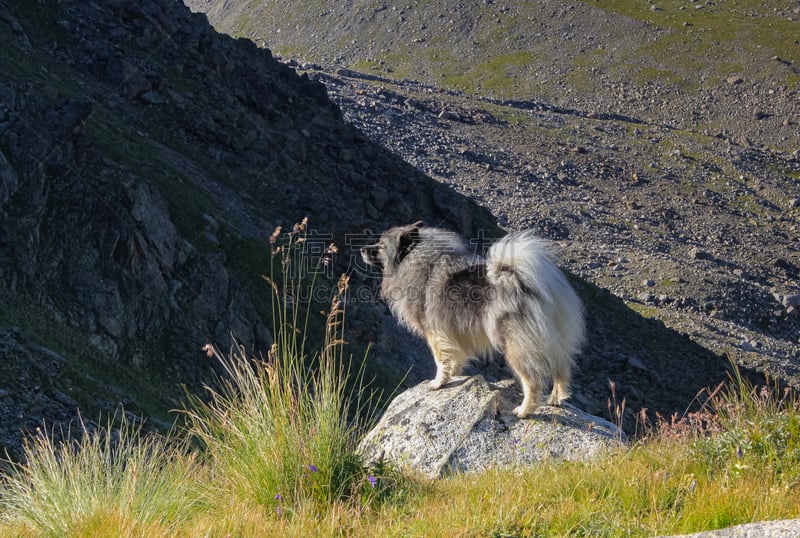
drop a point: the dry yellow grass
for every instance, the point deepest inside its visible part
(278, 459)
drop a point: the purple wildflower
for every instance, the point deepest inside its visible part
(313, 468)
(372, 480)
(278, 497)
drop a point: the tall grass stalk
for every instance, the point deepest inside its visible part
(755, 430)
(277, 431)
(114, 481)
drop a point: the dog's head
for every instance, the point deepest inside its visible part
(392, 247)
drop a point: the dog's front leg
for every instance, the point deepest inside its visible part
(442, 375)
(449, 358)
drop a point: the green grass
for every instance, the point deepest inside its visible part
(280, 433)
(725, 22)
(498, 76)
(697, 38)
(272, 452)
(114, 481)
(685, 42)
(736, 461)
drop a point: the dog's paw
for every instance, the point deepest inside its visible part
(521, 411)
(438, 383)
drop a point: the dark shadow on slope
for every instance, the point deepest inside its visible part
(653, 367)
(144, 164)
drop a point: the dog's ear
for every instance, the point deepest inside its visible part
(408, 240)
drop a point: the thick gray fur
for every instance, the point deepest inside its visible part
(516, 301)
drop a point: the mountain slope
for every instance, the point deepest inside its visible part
(144, 162)
(145, 159)
(727, 68)
(656, 142)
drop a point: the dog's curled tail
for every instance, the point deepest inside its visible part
(525, 274)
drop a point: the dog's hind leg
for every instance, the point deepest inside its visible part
(560, 384)
(449, 358)
(531, 398)
(529, 378)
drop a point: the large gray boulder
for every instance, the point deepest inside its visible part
(468, 425)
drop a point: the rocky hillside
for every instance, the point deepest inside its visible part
(656, 142)
(144, 161)
(720, 68)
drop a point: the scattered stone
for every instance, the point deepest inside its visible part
(153, 98)
(379, 196)
(699, 254)
(446, 114)
(788, 300)
(635, 363)
(74, 115)
(645, 297)
(748, 346)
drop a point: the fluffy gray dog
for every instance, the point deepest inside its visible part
(516, 301)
